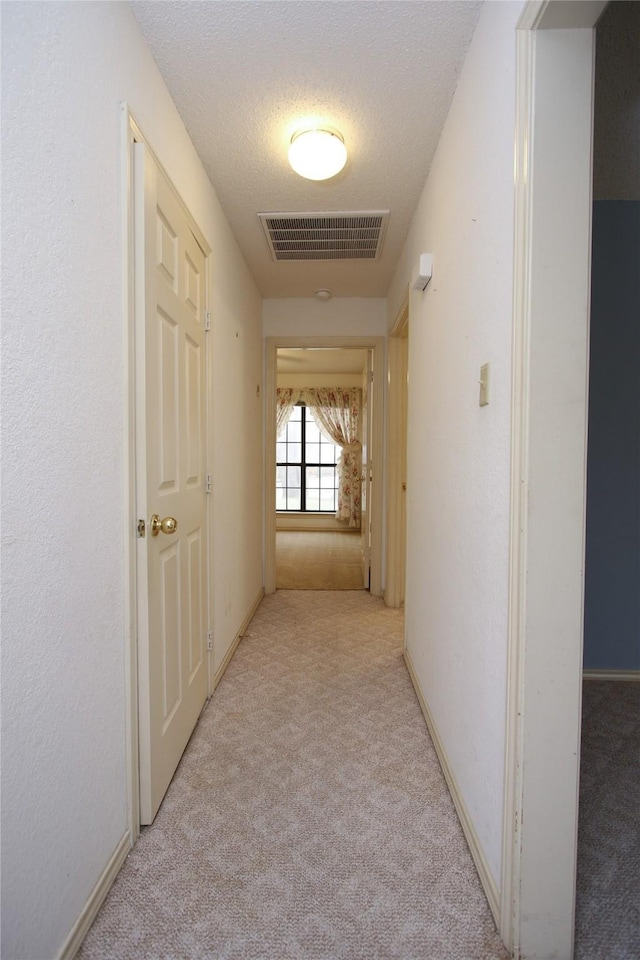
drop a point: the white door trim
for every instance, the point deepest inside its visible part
(548, 475)
(363, 343)
(130, 133)
(396, 425)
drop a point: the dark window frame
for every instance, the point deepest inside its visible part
(304, 464)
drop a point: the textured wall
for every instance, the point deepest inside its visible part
(612, 599)
(340, 317)
(458, 452)
(65, 69)
(616, 149)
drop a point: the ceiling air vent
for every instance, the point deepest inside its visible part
(325, 236)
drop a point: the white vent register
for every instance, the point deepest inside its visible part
(325, 236)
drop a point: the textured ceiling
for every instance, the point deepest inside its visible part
(344, 360)
(245, 74)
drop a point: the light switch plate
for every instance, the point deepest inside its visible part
(484, 385)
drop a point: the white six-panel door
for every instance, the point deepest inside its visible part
(171, 479)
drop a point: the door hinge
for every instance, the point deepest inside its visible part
(209, 639)
(208, 483)
(207, 319)
(370, 376)
(141, 528)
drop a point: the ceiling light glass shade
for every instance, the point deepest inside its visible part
(317, 154)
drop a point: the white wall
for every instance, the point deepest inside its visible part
(340, 317)
(65, 69)
(238, 453)
(458, 452)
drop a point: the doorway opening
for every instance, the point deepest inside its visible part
(554, 69)
(608, 868)
(318, 524)
(322, 447)
(323, 497)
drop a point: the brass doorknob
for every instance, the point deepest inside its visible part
(168, 525)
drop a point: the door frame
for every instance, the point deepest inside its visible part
(552, 264)
(366, 428)
(396, 426)
(133, 389)
(377, 345)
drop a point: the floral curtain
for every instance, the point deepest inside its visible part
(286, 399)
(337, 410)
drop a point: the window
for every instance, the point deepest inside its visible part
(306, 478)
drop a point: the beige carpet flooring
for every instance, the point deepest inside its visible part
(318, 560)
(309, 818)
(608, 881)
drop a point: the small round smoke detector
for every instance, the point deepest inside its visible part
(323, 294)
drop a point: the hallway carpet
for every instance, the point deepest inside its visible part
(318, 560)
(309, 818)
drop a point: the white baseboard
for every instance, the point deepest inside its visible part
(238, 637)
(611, 675)
(80, 928)
(311, 522)
(486, 878)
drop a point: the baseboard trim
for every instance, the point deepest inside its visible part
(486, 879)
(318, 524)
(81, 927)
(611, 675)
(238, 637)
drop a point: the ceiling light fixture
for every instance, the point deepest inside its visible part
(317, 154)
(323, 294)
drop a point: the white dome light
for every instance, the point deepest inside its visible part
(317, 154)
